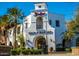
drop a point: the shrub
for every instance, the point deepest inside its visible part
(40, 51)
(15, 51)
(29, 51)
(23, 48)
(32, 50)
(37, 51)
(68, 49)
(25, 52)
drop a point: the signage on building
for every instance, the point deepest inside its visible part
(41, 32)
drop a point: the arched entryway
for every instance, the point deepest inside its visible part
(77, 42)
(66, 43)
(40, 42)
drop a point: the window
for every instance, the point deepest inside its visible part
(50, 22)
(51, 40)
(39, 6)
(57, 23)
(39, 23)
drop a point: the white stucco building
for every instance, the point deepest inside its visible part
(41, 28)
(40, 25)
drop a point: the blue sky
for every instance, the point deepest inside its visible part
(65, 8)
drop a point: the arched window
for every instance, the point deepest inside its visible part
(39, 23)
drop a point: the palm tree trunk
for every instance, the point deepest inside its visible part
(5, 35)
(15, 42)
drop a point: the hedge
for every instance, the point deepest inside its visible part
(26, 51)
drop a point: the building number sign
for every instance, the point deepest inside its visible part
(41, 32)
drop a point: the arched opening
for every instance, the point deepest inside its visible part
(39, 23)
(40, 42)
(77, 42)
(63, 43)
(66, 45)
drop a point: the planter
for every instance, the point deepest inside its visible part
(5, 50)
(75, 51)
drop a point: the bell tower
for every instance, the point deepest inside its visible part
(40, 6)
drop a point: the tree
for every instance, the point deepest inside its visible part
(21, 40)
(67, 36)
(16, 13)
(3, 27)
(72, 27)
(77, 20)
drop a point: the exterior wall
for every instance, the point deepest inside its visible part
(51, 39)
(32, 28)
(42, 4)
(58, 30)
(11, 35)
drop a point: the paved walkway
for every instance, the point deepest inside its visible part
(60, 54)
(55, 54)
(63, 54)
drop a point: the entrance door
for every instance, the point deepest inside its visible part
(40, 42)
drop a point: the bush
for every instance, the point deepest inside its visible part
(22, 48)
(25, 51)
(68, 49)
(15, 51)
(32, 50)
(37, 51)
(40, 51)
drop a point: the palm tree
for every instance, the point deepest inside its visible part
(72, 28)
(69, 34)
(0, 28)
(16, 13)
(3, 26)
(67, 37)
